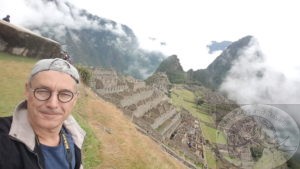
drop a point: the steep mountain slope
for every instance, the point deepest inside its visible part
(172, 67)
(112, 140)
(95, 41)
(215, 73)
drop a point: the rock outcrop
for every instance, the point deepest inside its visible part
(20, 41)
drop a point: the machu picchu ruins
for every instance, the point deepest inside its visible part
(149, 107)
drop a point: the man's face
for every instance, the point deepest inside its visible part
(51, 113)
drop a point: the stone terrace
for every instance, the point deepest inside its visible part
(149, 108)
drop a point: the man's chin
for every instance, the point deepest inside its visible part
(50, 124)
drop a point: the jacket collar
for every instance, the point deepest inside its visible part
(22, 130)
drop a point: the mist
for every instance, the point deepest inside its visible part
(57, 15)
(253, 79)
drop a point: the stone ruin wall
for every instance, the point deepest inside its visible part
(135, 84)
(135, 97)
(172, 125)
(145, 105)
(160, 81)
(106, 81)
(174, 122)
(188, 138)
(162, 118)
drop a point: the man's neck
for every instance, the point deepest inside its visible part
(48, 137)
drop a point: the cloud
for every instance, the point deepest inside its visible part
(258, 80)
(253, 80)
(57, 15)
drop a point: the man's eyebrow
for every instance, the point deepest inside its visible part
(41, 87)
(65, 90)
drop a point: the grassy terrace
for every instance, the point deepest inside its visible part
(186, 99)
(12, 81)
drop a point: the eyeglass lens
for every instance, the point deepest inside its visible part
(45, 94)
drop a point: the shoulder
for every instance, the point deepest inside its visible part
(6, 143)
(5, 123)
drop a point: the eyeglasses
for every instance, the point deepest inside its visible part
(43, 94)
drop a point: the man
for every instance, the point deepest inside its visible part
(6, 18)
(41, 133)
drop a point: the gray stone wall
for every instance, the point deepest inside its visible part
(161, 119)
(172, 126)
(146, 106)
(136, 97)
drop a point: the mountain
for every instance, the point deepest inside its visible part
(213, 76)
(172, 67)
(215, 73)
(94, 41)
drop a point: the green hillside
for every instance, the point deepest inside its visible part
(112, 140)
(13, 74)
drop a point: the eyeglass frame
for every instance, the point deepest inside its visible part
(50, 94)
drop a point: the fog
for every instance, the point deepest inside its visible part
(58, 15)
(254, 80)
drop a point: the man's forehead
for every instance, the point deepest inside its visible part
(51, 77)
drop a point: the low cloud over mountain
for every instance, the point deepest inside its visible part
(89, 39)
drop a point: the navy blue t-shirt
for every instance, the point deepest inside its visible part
(56, 157)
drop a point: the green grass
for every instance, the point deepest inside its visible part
(205, 117)
(186, 99)
(13, 75)
(90, 156)
(211, 134)
(271, 158)
(210, 158)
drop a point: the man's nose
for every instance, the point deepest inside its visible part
(53, 101)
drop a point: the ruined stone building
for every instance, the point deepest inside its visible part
(148, 106)
(107, 81)
(160, 81)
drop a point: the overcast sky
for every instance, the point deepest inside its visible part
(187, 26)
